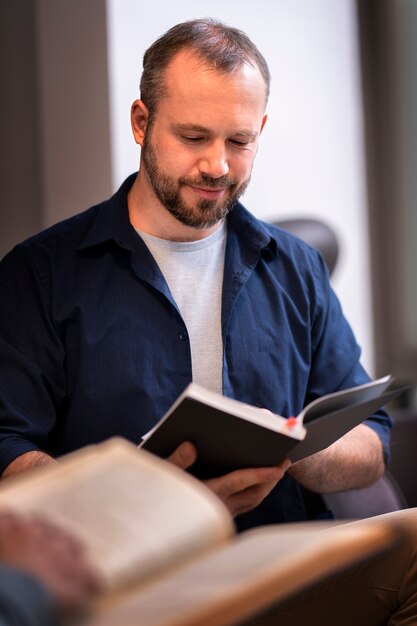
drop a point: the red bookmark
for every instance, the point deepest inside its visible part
(291, 421)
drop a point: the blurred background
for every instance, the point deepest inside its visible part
(340, 144)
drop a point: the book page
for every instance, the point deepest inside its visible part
(135, 513)
(254, 571)
(344, 398)
(326, 429)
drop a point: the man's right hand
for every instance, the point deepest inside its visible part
(52, 556)
(241, 490)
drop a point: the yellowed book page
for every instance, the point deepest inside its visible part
(137, 514)
(258, 569)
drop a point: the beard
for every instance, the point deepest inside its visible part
(201, 214)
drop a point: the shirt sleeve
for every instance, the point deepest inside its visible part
(24, 601)
(32, 381)
(336, 354)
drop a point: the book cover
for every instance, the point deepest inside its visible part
(233, 435)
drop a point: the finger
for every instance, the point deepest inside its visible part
(240, 480)
(285, 465)
(74, 593)
(8, 521)
(86, 576)
(184, 456)
(57, 537)
(12, 528)
(249, 499)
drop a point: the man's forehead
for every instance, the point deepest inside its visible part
(190, 81)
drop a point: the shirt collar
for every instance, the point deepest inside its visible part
(255, 232)
(112, 224)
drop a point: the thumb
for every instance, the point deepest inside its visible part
(184, 456)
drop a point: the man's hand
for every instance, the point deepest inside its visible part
(184, 456)
(242, 490)
(53, 557)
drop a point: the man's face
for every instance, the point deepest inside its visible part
(201, 212)
(198, 150)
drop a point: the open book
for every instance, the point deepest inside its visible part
(165, 545)
(230, 435)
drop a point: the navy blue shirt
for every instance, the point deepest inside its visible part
(92, 343)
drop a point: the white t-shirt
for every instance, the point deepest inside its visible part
(194, 274)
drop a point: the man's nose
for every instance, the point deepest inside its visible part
(214, 161)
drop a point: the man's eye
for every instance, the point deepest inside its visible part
(237, 142)
(192, 139)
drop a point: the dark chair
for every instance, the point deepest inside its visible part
(316, 234)
(385, 495)
(403, 452)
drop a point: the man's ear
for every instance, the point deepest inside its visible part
(265, 117)
(139, 116)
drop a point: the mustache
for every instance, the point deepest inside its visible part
(207, 181)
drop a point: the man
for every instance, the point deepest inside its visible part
(102, 329)
(44, 575)
(105, 318)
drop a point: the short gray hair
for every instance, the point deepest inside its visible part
(224, 47)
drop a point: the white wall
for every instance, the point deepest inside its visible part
(310, 161)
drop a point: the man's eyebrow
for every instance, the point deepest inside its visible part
(246, 134)
(191, 127)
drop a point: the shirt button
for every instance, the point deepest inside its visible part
(183, 336)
